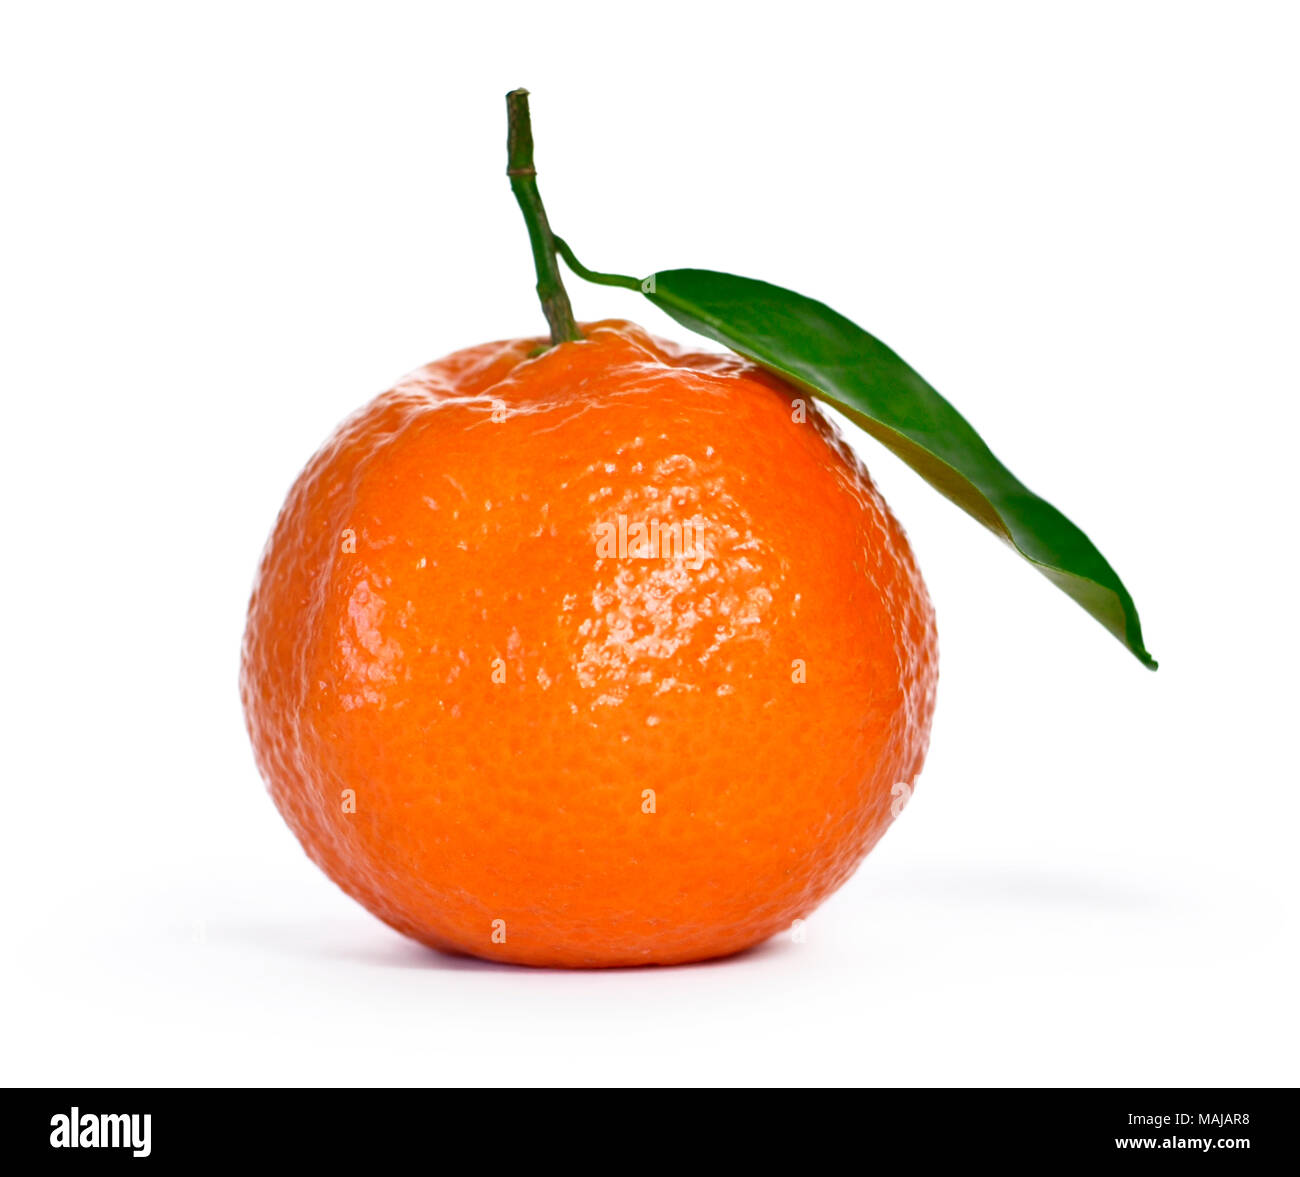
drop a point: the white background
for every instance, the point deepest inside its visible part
(226, 226)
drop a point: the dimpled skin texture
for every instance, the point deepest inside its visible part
(435, 628)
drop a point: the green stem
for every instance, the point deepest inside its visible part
(523, 182)
(566, 252)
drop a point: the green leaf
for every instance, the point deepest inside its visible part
(814, 347)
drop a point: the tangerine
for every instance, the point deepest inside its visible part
(509, 724)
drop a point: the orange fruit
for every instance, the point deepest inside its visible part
(513, 724)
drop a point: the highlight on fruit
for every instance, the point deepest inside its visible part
(597, 649)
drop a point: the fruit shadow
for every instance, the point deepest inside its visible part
(323, 942)
(1016, 890)
(400, 953)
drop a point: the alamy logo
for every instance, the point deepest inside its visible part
(86, 1130)
(625, 539)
